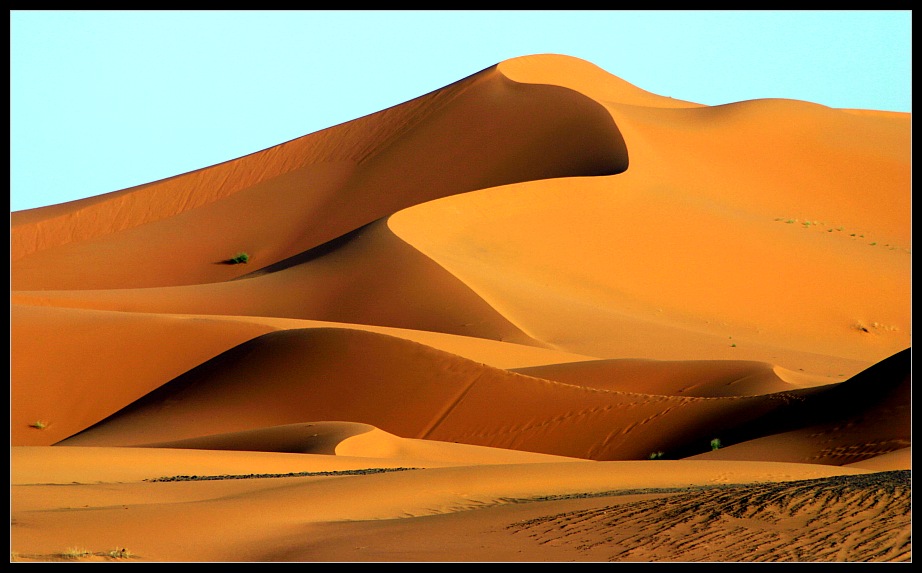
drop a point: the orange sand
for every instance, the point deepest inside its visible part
(467, 324)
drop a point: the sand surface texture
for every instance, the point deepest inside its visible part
(538, 315)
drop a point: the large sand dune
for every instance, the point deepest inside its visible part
(539, 314)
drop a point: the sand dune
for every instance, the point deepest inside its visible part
(345, 282)
(866, 417)
(538, 315)
(415, 391)
(350, 174)
(703, 378)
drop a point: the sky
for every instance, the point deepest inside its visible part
(105, 100)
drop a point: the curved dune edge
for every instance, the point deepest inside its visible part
(344, 282)
(381, 444)
(518, 256)
(701, 378)
(412, 390)
(500, 354)
(356, 440)
(799, 379)
(144, 351)
(415, 391)
(558, 268)
(508, 125)
(584, 77)
(85, 219)
(304, 438)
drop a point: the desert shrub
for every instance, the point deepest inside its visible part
(656, 455)
(38, 425)
(75, 553)
(239, 258)
(715, 444)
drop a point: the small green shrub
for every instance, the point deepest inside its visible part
(240, 258)
(656, 455)
(38, 425)
(715, 444)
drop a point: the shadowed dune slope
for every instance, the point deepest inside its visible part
(359, 441)
(865, 417)
(315, 438)
(415, 391)
(70, 368)
(342, 281)
(138, 352)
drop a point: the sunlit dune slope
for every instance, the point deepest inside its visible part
(705, 378)
(584, 77)
(706, 243)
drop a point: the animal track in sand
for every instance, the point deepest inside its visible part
(814, 225)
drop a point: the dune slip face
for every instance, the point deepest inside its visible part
(537, 315)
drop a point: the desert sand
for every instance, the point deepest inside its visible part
(538, 315)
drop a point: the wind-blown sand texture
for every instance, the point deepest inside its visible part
(538, 315)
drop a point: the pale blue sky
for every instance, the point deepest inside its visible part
(104, 100)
